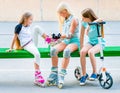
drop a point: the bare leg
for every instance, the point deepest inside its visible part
(91, 53)
(65, 61)
(83, 54)
(59, 47)
(36, 66)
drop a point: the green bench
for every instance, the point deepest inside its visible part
(45, 53)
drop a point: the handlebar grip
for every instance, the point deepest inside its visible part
(97, 23)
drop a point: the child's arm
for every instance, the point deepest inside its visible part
(73, 26)
(44, 36)
(82, 37)
(13, 42)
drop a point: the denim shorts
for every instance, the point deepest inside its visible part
(103, 45)
(74, 40)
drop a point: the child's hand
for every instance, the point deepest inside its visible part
(9, 50)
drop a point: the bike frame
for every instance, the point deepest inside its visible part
(102, 69)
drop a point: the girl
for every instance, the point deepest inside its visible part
(23, 34)
(70, 43)
(92, 47)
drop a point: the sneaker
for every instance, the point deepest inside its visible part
(83, 80)
(93, 77)
(39, 80)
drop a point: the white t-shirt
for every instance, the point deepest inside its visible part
(24, 34)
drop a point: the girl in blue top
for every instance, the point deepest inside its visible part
(92, 47)
(70, 43)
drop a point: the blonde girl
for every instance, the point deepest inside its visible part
(24, 40)
(92, 47)
(70, 43)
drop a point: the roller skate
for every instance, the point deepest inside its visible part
(53, 77)
(61, 78)
(39, 80)
(52, 41)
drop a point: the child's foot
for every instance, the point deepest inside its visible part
(93, 77)
(39, 80)
(61, 78)
(53, 77)
(83, 80)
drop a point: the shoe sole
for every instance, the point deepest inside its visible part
(40, 85)
(91, 79)
(60, 86)
(82, 84)
(48, 83)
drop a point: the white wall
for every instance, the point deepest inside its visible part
(11, 10)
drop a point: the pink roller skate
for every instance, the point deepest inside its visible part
(39, 80)
(52, 41)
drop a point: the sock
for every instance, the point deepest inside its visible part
(54, 69)
(63, 72)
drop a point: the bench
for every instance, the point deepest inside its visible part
(45, 53)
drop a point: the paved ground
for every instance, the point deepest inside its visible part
(16, 75)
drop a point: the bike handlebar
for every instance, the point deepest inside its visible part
(97, 23)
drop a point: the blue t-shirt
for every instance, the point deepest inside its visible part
(67, 24)
(92, 34)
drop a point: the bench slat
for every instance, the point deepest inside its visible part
(45, 53)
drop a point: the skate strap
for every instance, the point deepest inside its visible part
(53, 72)
(37, 73)
(62, 74)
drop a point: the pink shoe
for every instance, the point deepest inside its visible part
(39, 80)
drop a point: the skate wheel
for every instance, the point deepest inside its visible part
(60, 86)
(40, 85)
(48, 83)
(106, 84)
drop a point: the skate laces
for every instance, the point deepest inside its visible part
(38, 75)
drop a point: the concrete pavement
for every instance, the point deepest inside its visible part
(16, 75)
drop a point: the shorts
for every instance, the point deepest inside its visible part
(103, 45)
(95, 42)
(74, 40)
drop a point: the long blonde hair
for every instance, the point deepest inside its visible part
(62, 6)
(22, 20)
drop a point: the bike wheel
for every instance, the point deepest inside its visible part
(106, 84)
(77, 73)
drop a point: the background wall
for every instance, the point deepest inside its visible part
(45, 10)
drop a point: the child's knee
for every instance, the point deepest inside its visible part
(83, 52)
(90, 52)
(66, 53)
(38, 30)
(53, 52)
